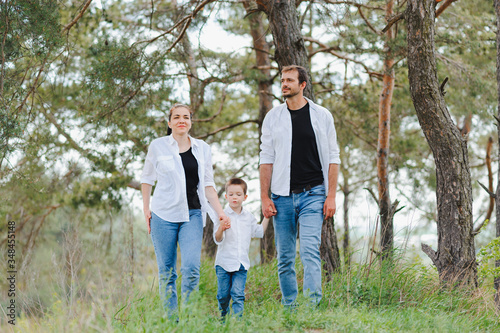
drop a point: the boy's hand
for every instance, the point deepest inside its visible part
(225, 225)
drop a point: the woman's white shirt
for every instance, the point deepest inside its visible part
(163, 165)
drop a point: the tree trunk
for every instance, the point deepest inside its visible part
(185, 49)
(196, 92)
(209, 246)
(455, 257)
(290, 47)
(345, 244)
(329, 248)
(384, 130)
(261, 47)
(497, 199)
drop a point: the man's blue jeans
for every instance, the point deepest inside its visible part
(231, 285)
(166, 235)
(306, 209)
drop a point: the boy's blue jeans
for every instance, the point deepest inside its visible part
(231, 285)
(306, 209)
(166, 235)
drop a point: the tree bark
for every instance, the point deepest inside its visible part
(263, 61)
(497, 199)
(329, 249)
(289, 45)
(455, 257)
(384, 130)
(209, 246)
(345, 244)
(185, 49)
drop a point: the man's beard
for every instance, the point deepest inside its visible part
(290, 94)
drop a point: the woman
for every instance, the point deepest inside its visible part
(185, 191)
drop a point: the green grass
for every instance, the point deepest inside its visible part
(402, 298)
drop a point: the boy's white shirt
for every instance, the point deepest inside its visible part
(232, 250)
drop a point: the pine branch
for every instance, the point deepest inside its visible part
(393, 20)
(223, 128)
(445, 5)
(372, 28)
(352, 3)
(223, 99)
(327, 49)
(77, 17)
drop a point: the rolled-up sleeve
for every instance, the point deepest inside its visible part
(266, 146)
(257, 230)
(149, 171)
(333, 147)
(216, 226)
(209, 170)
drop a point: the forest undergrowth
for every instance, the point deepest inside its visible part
(115, 289)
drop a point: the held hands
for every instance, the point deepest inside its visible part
(268, 208)
(147, 215)
(225, 222)
(329, 207)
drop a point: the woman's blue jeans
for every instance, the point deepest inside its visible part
(166, 235)
(231, 285)
(306, 209)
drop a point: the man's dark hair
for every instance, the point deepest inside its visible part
(237, 181)
(301, 70)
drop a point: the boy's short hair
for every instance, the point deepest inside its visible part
(237, 181)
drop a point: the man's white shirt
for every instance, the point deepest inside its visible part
(276, 147)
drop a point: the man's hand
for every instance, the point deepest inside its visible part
(268, 208)
(329, 207)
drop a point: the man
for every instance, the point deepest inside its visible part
(299, 161)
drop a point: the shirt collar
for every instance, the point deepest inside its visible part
(171, 141)
(229, 210)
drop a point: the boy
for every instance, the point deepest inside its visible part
(233, 243)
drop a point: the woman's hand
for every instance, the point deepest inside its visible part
(147, 215)
(146, 195)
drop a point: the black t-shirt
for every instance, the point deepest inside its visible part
(305, 164)
(191, 171)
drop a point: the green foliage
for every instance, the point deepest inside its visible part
(487, 258)
(31, 28)
(10, 129)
